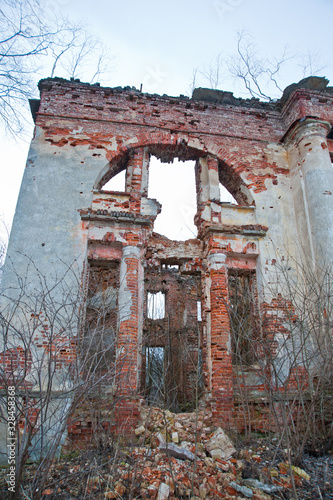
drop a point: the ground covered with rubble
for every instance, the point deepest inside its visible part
(179, 456)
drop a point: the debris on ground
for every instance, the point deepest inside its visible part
(180, 456)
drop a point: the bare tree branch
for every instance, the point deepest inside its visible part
(311, 64)
(255, 72)
(32, 41)
(213, 72)
(3, 246)
(259, 75)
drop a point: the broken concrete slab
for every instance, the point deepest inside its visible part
(163, 492)
(255, 483)
(177, 451)
(219, 445)
(247, 492)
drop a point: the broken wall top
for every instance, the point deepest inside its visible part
(209, 111)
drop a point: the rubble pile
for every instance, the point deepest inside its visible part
(181, 456)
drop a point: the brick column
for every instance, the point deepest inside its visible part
(137, 171)
(219, 351)
(129, 339)
(208, 189)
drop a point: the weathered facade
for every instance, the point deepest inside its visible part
(274, 158)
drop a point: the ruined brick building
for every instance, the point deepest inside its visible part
(274, 158)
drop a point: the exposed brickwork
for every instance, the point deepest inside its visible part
(256, 152)
(179, 333)
(15, 361)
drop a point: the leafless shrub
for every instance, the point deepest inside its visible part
(53, 361)
(288, 347)
(258, 75)
(212, 73)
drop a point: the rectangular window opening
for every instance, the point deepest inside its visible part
(199, 318)
(154, 375)
(166, 265)
(156, 305)
(242, 317)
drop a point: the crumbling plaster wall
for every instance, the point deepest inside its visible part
(81, 128)
(86, 134)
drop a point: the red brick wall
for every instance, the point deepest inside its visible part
(123, 127)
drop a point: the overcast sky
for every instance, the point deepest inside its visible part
(159, 43)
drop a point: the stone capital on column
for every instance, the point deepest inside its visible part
(217, 261)
(131, 250)
(306, 128)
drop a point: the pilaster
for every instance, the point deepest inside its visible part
(129, 341)
(219, 351)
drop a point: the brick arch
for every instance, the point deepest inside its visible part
(167, 147)
(231, 179)
(111, 169)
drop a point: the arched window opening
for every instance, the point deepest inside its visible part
(226, 196)
(173, 185)
(116, 183)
